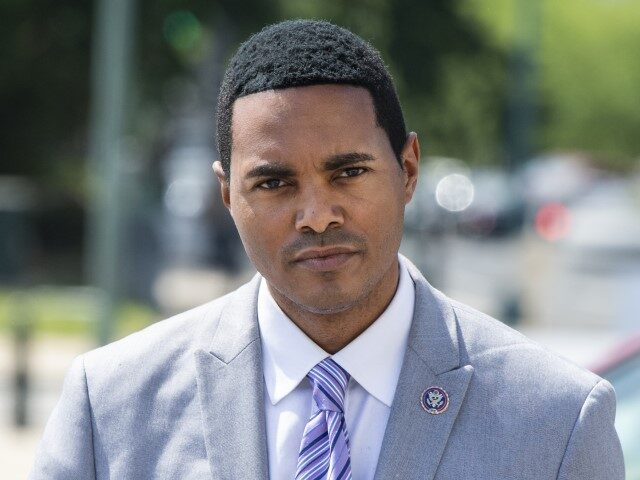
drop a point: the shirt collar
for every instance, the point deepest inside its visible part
(373, 359)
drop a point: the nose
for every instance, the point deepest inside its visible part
(318, 210)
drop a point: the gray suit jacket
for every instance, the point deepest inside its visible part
(183, 399)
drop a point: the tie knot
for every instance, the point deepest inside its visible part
(329, 381)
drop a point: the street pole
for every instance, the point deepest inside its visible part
(112, 45)
(522, 102)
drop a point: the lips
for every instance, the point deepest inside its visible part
(326, 259)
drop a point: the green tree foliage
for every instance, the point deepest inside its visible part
(452, 78)
(590, 61)
(45, 47)
(44, 82)
(588, 73)
(173, 36)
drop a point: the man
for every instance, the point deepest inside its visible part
(338, 360)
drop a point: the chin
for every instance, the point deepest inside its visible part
(325, 305)
(326, 309)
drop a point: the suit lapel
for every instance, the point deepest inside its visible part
(415, 440)
(231, 391)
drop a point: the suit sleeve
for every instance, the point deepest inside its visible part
(66, 448)
(593, 451)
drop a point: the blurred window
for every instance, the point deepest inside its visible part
(626, 380)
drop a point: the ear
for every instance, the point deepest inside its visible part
(410, 165)
(224, 183)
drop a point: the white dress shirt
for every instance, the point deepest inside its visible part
(373, 360)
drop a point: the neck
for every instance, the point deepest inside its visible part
(333, 331)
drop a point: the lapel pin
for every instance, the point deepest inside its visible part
(434, 400)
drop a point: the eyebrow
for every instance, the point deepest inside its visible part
(271, 169)
(334, 162)
(344, 159)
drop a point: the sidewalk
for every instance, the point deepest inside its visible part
(49, 360)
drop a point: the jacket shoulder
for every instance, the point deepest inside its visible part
(531, 406)
(492, 346)
(178, 331)
(145, 355)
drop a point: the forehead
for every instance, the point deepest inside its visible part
(300, 102)
(327, 118)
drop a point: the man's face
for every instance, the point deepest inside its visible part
(317, 194)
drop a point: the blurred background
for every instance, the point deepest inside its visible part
(528, 206)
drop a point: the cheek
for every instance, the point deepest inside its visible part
(383, 230)
(384, 219)
(261, 229)
(382, 201)
(245, 219)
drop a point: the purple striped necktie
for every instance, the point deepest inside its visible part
(324, 451)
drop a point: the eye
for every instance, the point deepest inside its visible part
(271, 184)
(352, 172)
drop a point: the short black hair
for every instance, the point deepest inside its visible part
(297, 53)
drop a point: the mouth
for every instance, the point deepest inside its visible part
(325, 259)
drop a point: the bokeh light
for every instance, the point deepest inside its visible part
(455, 192)
(552, 221)
(183, 31)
